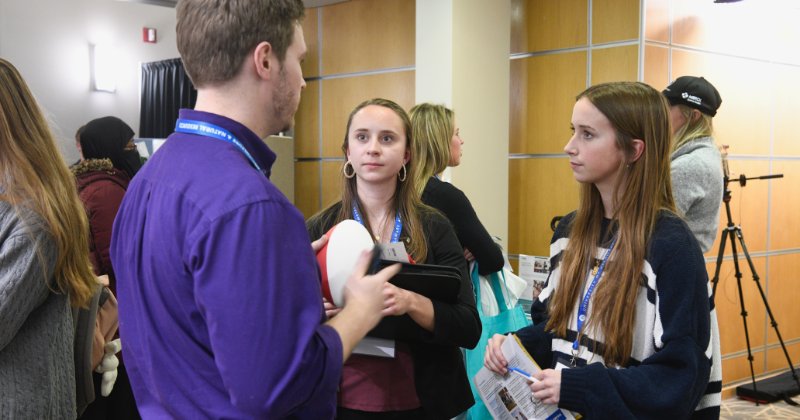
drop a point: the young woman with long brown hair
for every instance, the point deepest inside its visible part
(426, 379)
(44, 260)
(624, 327)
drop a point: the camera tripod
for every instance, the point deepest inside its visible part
(735, 232)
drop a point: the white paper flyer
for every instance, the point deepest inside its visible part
(509, 397)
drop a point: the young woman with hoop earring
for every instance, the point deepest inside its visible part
(426, 379)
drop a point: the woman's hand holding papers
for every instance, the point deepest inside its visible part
(494, 359)
(547, 387)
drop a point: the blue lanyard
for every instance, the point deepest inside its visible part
(398, 224)
(584, 306)
(202, 128)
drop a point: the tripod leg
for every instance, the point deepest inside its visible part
(738, 274)
(715, 279)
(774, 323)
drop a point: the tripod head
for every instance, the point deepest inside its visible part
(742, 179)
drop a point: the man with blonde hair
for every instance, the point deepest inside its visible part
(219, 291)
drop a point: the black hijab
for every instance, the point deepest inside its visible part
(106, 138)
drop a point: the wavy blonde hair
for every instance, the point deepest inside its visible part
(694, 128)
(34, 176)
(432, 127)
(636, 111)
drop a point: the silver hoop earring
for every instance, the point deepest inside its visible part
(405, 173)
(344, 170)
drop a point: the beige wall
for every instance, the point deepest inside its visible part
(48, 41)
(450, 35)
(749, 54)
(480, 101)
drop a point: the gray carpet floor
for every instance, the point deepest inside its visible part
(736, 409)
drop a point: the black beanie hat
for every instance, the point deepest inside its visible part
(694, 92)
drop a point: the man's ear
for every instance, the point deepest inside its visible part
(638, 148)
(264, 60)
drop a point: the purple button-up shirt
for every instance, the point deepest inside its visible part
(220, 303)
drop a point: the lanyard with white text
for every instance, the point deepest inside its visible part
(584, 306)
(202, 128)
(398, 224)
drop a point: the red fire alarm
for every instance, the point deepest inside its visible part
(149, 35)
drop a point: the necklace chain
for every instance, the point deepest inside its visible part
(381, 227)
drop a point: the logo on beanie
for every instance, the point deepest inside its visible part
(691, 98)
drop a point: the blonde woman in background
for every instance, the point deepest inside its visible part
(696, 164)
(44, 261)
(438, 145)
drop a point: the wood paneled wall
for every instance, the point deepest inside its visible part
(757, 72)
(554, 56)
(558, 48)
(357, 50)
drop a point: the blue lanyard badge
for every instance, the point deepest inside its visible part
(202, 128)
(398, 224)
(584, 306)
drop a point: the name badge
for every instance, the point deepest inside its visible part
(395, 251)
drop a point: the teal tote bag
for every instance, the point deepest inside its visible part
(507, 320)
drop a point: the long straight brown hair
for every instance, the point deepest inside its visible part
(636, 111)
(34, 176)
(407, 202)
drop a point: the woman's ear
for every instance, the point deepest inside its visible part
(638, 148)
(407, 157)
(696, 115)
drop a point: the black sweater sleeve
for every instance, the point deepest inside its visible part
(470, 231)
(455, 323)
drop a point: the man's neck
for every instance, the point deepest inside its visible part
(240, 105)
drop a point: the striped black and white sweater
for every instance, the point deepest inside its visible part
(675, 369)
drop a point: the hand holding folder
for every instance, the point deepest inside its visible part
(435, 282)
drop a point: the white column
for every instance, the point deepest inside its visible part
(462, 53)
(434, 52)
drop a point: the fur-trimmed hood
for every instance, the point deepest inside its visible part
(88, 171)
(91, 165)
